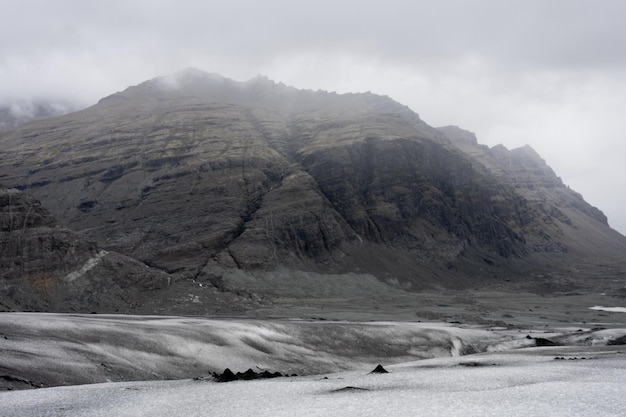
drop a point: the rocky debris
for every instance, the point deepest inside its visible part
(617, 341)
(9, 383)
(349, 388)
(229, 376)
(540, 341)
(379, 370)
(474, 364)
(575, 358)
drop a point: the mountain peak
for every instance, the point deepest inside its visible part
(261, 79)
(527, 151)
(458, 135)
(260, 91)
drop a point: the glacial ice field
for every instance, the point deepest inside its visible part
(160, 366)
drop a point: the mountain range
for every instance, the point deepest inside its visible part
(196, 193)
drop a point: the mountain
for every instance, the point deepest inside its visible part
(244, 186)
(47, 266)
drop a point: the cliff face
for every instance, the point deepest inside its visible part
(562, 211)
(33, 242)
(200, 176)
(47, 266)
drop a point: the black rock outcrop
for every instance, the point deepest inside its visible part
(379, 370)
(542, 341)
(617, 341)
(229, 376)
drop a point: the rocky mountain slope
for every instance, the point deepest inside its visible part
(47, 266)
(235, 184)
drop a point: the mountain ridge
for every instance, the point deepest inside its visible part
(222, 182)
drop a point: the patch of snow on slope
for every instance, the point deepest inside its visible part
(90, 264)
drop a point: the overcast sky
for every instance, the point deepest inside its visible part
(549, 73)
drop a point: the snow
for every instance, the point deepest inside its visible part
(176, 347)
(89, 265)
(431, 372)
(611, 309)
(523, 383)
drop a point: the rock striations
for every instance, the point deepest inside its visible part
(214, 181)
(47, 266)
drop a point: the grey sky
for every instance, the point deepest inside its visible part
(549, 73)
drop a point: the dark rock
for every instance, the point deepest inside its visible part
(540, 341)
(228, 375)
(86, 206)
(10, 382)
(473, 364)
(349, 389)
(267, 375)
(379, 370)
(249, 374)
(618, 341)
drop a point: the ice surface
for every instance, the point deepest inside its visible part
(433, 370)
(611, 309)
(90, 349)
(524, 383)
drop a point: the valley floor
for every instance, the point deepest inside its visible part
(482, 307)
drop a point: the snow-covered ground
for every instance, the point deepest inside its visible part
(433, 370)
(62, 349)
(527, 382)
(611, 309)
